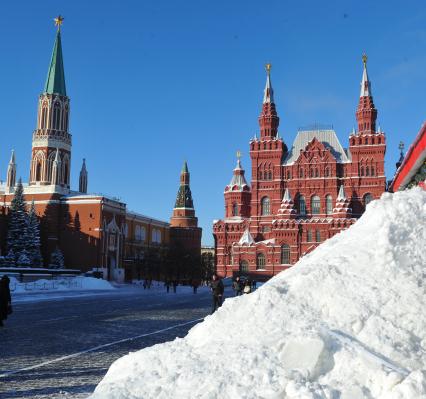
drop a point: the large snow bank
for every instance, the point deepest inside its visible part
(347, 322)
(60, 284)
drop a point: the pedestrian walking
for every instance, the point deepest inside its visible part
(254, 285)
(237, 286)
(5, 299)
(175, 284)
(217, 288)
(167, 284)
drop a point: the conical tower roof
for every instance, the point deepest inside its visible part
(55, 82)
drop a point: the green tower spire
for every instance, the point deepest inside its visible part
(55, 82)
(184, 168)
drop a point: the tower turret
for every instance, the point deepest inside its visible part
(366, 113)
(11, 172)
(268, 119)
(52, 130)
(82, 184)
(237, 193)
(184, 230)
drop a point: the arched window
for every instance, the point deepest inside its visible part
(260, 261)
(260, 175)
(244, 266)
(138, 233)
(372, 171)
(38, 171)
(301, 173)
(362, 170)
(367, 171)
(270, 175)
(234, 209)
(65, 120)
(302, 205)
(327, 172)
(311, 173)
(43, 117)
(317, 236)
(265, 206)
(56, 116)
(367, 199)
(309, 236)
(316, 173)
(329, 204)
(285, 254)
(66, 171)
(315, 205)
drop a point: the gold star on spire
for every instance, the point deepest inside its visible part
(268, 67)
(364, 59)
(58, 21)
(238, 154)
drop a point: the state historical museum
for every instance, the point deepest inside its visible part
(300, 194)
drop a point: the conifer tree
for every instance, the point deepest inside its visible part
(56, 259)
(18, 222)
(33, 238)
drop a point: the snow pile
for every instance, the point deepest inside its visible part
(348, 322)
(60, 284)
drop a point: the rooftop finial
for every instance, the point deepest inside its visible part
(238, 154)
(269, 92)
(268, 67)
(365, 83)
(59, 21)
(401, 146)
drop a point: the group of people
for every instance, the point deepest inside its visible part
(239, 286)
(243, 286)
(5, 299)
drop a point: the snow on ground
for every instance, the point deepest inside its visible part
(60, 284)
(347, 322)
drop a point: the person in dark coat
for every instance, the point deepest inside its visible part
(5, 299)
(237, 286)
(217, 288)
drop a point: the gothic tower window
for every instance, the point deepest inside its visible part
(301, 173)
(329, 204)
(327, 172)
(270, 175)
(66, 171)
(56, 116)
(260, 261)
(302, 205)
(309, 236)
(234, 209)
(372, 171)
(315, 205)
(43, 117)
(265, 206)
(285, 254)
(362, 170)
(65, 120)
(38, 171)
(367, 171)
(316, 173)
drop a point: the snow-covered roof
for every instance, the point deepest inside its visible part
(246, 238)
(327, 137)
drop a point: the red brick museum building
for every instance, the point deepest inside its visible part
(300, 194)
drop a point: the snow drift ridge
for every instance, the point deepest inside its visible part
(347, 322)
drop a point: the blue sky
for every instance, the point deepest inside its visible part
(155, 82)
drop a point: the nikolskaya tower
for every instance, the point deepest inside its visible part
(51, 143)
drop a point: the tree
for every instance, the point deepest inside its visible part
(33, 238)
(56, 259)
(24, 259)
(17, 231)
